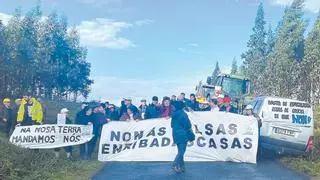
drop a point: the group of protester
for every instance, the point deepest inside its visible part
(25, 111)
(29, 111)
(165, 108)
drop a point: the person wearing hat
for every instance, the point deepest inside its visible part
(227, 105)
(204, 105)
(112, 113)
(126, 103)
(249, 110)
(64, 113)
(6, 116)
(154, 109)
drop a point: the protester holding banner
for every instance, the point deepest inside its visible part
(84, 118)
(193, 104)
(154, 109)
(6, 116)
(166, 108)
(227, 105)
(143, 107)
(181, 127)
(214, 105)
(131, 114)
(63, 118)
(97, 119)
(113, 113)
(30, 112)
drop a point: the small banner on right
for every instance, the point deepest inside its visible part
(220, 136)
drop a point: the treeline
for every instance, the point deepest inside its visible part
(42, 57)
(282, 61)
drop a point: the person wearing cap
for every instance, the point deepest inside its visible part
(166, 108)
(112, 114)
(143, 107)
(30, 112)
(193, 104)
(126, 103)
(6, 116)
(154, 109)
(64, 112)
(204, 105)
(249, 110)
(227, 105)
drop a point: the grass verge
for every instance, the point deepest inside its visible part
(25, 164)
(310, 164)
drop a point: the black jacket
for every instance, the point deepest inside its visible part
(152, 112)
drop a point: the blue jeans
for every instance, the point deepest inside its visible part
(178, 161)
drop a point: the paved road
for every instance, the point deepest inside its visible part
(265, 169)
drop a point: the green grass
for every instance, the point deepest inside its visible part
(309, 164)
(18, 163)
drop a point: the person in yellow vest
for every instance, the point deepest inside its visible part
(30, 112)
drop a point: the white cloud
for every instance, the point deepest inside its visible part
(102, 32)
(182, 49)
(310, 5)
(114, 89)
(193, 44)
(143, 22)
(5, 18)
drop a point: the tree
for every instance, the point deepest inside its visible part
(309, 68)
(234, 68)
(42, 57)
(281, 74)
(255, 57)
(215, 74)
(270, 41)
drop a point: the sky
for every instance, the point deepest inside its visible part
(141, 48)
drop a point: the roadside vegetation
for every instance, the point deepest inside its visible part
(18, 163)
(309, 164)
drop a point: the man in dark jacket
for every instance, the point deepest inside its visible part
(98, 119)
(154, 109)
(193, 105)
(113, 113)
(7, 116)
(181, 127)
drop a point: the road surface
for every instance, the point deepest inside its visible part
(265, 169)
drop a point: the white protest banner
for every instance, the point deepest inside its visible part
(220, 136)
(51, 136)
(287, 110)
